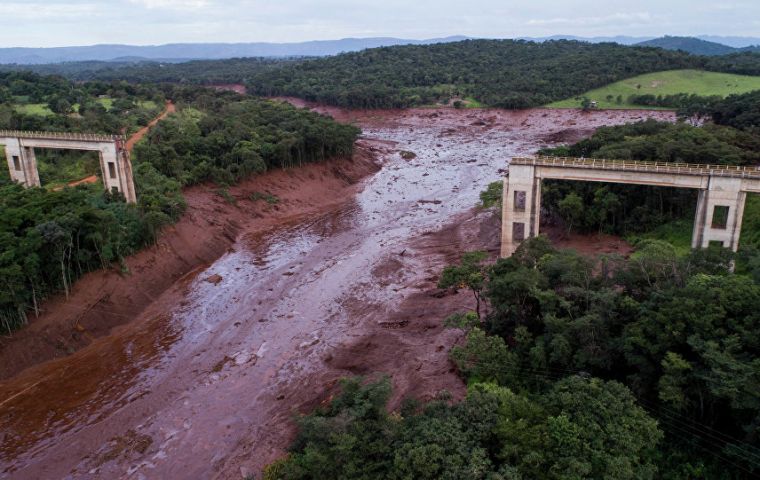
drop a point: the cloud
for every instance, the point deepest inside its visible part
(36, 11)
(614, 19)
(171, 4)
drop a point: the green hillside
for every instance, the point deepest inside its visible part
(665, 83)
(692, 45)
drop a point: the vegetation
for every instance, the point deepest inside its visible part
(225, 137)
(692, 45)
(491, 196)
(502, 73)
(738, 111)
(643, 90)
(628, 369)
(497, 73)
(200, 72)
(50, 238)
(495, 433)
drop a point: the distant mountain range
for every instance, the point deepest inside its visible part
(696, 46)
(180, 52)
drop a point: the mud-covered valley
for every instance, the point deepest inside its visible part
(195, 364)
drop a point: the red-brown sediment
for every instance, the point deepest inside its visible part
(207, 378)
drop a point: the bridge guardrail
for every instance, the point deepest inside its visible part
(86, 137)
(641, 166)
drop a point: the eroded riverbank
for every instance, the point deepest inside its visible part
(206, 381)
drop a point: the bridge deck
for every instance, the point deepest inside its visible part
(78, 137)
(637, 166)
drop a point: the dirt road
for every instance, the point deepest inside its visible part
(206, 381)
(138, 135)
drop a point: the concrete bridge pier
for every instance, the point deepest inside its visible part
(522, 207)
(117, 170)
(720, 208)
(22, 163)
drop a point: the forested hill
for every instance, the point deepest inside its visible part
(198, 72)
(692, 45)
(499, 73)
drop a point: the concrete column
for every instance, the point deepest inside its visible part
(699, 219)
(117, 171)
(13, 159)
(520, 207)
(721, 192)
(30, 166)
(127, 178)
(22, 163)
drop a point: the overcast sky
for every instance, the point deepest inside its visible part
(46, 23)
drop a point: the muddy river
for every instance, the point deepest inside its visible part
(207, 381)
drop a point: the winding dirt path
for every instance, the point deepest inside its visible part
(137, 136)
(207, 379)
(130, 144)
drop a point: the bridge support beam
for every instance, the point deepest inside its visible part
(22, 163)
(521, 207)
(720, 208)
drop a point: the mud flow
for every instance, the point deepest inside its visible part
(207, 381)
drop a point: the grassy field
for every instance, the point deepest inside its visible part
(33, 109)
(665, 83)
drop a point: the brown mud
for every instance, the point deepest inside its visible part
(207, 378)
(102, 300)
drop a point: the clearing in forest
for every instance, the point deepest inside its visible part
(664, 83)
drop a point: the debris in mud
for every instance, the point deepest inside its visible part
(215, 279)
(407, 155)
(221, 363)
(309, 343)
(123, 445)
(435, 202)
(393, 324)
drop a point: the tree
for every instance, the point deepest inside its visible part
(596, 430)
(571, 209)
(470, 273)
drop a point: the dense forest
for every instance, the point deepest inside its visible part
(202, 72)
(49, 238)
(636, 368)
(503, 73)
(499, 73)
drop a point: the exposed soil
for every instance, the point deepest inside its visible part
(138, 135)
(230, 87)
(206, 380)
(104, 299)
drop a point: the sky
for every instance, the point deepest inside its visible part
(48, 23)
